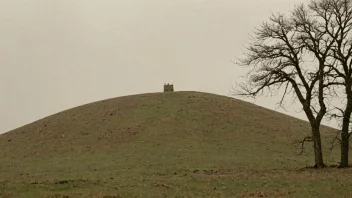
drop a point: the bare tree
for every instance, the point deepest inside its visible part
(279, 55)
(338, 13)
(279, 59)
(335, 19)
(282, 48)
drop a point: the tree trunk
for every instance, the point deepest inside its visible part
(344, 146)
(345, 138)
(318, 153)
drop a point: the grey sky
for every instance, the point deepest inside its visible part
(57, 54)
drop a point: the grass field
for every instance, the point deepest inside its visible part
(181, 144)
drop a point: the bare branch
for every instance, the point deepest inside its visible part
(336, 139)
(302, 142)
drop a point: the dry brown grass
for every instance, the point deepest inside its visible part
(182, 144)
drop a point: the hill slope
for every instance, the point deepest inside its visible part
(155, 134)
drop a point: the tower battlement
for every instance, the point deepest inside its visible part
(168, 87)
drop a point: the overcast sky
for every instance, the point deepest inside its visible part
(58, 54)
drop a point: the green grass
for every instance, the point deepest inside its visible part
(182, 144)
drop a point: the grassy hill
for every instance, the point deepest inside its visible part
(181, 144)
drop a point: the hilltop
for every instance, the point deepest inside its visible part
(157, 143)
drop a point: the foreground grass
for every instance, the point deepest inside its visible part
(154, 174)
(231, 182)
(183, 144)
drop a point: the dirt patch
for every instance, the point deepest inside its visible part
(76, 183)
(266, 193)
(162, 185)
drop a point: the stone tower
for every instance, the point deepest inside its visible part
(168, 87)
